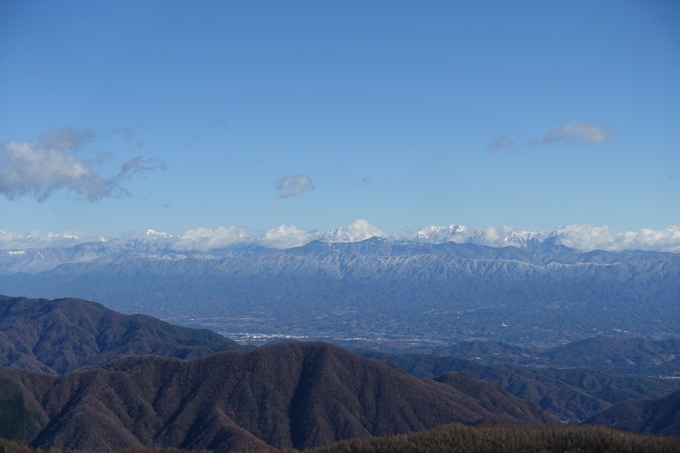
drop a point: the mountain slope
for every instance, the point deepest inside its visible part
(60, 335)
(571, 394)
(659, 416)
(286, 395)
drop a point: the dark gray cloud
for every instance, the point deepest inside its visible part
(40, 167)
(289, 186)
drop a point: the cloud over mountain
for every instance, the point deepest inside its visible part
(580, 237)
(359, 230)
(40, 167)
(21, 240)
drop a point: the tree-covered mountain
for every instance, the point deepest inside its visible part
(650, 416)
(571, 394)
(286, 395)
(508, 439)
(60, 335)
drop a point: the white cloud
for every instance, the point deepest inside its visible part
(586, 237)
(40, 167)
(574, 130)
(204, 239)
(580, 237)
(287, 236)
(289, 186)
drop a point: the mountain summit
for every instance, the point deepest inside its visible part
(57, 336)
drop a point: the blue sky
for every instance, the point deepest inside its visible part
(124, 116)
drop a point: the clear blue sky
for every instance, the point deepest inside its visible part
(536, 114)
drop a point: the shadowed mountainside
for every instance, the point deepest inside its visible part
(286, 395)
(659, 416)
(57, 336)
(570, 394)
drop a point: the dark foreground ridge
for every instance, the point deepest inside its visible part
(57, 336)
(457, 438)
(290, 395)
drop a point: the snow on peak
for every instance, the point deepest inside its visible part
(22, 240)
(460, 234)
(580, 237)
(155, 235)
(359, 230)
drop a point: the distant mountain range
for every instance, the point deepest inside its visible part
(537, 293)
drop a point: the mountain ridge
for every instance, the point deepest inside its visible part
(541, 295)
(659, 416)
(57, 336)
(286, 395)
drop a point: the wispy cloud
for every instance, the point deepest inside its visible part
(128, 134)
(500, 142)
(289, 186)
(221, 123)
(125, 131)
(574, 131)
(40, 167)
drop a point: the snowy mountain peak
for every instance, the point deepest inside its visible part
(359, 230)
(203, 240)
(155, 235)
